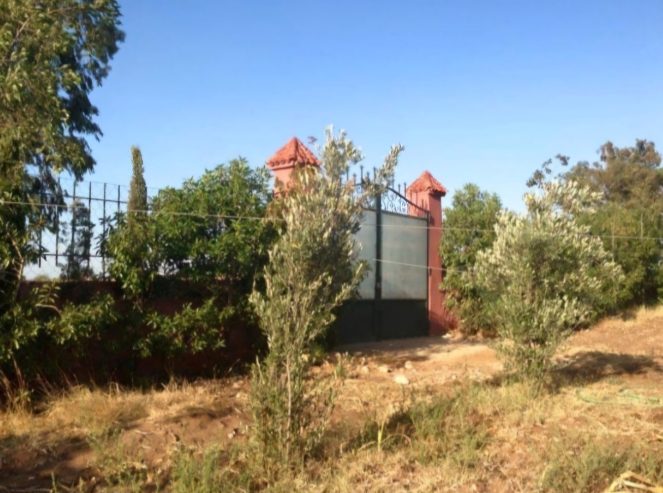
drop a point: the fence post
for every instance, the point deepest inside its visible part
(72, 246)
(58, 211)
(377, 298)
(89, 221)
(103, 235)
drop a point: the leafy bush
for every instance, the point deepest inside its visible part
(132, 243)
(212, 232)
(629, 214)
(547, 275)
(312, 269)
(468, 229)
(214, 227)
(198, 237)
(21, 323)
(80, 321)
(46, 116)
(189, 331)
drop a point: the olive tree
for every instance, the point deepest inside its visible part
(313, 267)
(546, 274)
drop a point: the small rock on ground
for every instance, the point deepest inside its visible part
(401, 379)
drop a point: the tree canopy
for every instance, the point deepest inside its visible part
(53, 53)
(468, 228)
(629, 216)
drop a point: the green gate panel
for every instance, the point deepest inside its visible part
(366, 239)
(400, 319)
(354, 323)
(366, 321)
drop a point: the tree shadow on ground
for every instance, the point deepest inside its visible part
(592, 366)
(587, 367)
(33, 461)
(23, 468)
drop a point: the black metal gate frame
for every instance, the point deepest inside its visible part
(396, 203)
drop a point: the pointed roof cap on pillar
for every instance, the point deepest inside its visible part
(291, 154)
(427, 183)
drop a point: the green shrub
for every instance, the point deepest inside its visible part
(629, 181)
(468, 229)
(546, 275)
(189, 331)
(64, 52)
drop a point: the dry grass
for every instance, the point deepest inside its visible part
(494, 438)
(449, 435)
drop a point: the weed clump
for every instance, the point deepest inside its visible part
(581, 464)
(450, 428)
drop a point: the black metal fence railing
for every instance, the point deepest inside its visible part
(86, 211)
(84, 215)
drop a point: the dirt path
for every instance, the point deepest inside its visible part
(423, 361)
(630, 346)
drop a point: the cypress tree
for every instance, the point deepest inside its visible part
(137, 188)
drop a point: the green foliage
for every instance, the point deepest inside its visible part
(189, 331)
(468, 229)
(79, 246)
(37, 319)
(54, 54)
(211, 232)
(546, 275)
(82, 321)
(203, 230)
(312, 269)
(134, 260)
(23, 319)
(630, 214)
(131, 241)
(198, 232)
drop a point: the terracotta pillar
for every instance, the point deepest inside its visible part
(286, 160)
(427, 193)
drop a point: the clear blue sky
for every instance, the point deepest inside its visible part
(477, 91)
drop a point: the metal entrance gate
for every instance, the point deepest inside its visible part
(393, 297)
